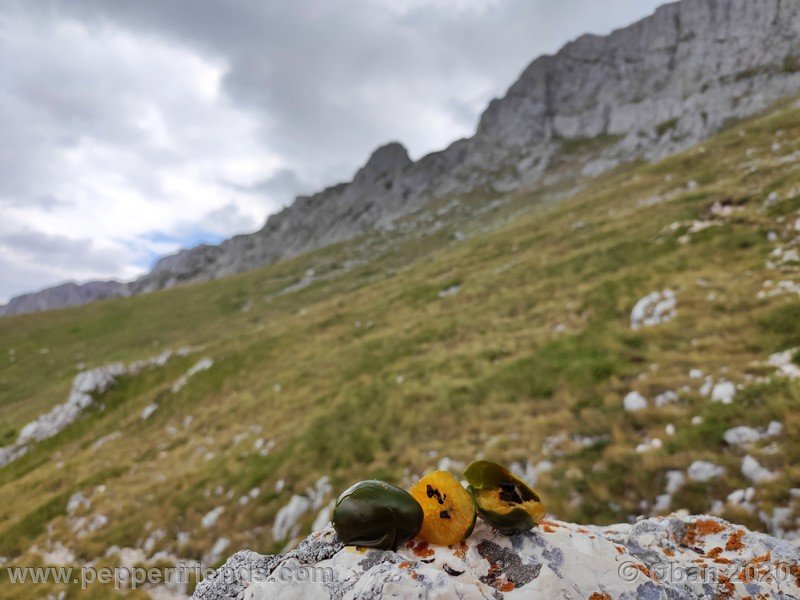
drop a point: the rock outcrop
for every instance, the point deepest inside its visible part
(676, 557)
(61, 296)
(644, 91)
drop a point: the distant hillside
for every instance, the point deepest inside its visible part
(644, 91)
(629, 342)
(66, 294)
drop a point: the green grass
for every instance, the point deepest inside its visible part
(368, 372)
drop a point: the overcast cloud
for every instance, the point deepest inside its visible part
(130, 128)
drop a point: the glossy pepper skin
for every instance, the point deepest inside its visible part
(376, 514)
(502, 499)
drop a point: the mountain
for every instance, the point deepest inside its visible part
(66, 294)
(644, 91)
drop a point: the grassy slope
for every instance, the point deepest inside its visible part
(368, 372)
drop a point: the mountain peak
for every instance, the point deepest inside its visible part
(386, 160)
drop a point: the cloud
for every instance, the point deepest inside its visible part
(123, 121)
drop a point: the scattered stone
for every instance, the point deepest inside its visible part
(745, 436)
(287, 521)
(654, 309)
(723, 392)
(648, 445)
(703, 471)
(450, 291)
(529, 472)
(216, 551)
(753, 470)
(743, 499)
(211, 517)
(784, 363)
(202, 365)
(84, 386)
(148, 410)
(634, 402)
(665, 398)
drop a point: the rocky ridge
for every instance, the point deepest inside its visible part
(645, 91)
(666, 558)
(66, 294)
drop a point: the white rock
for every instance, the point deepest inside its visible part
(286, 521)
(450, 291)
(448, 464)
(696, 374)
(703, 471)
(634, 402)
(669, 429)
(324, 516)
(648, 445)
(530, 472)
(784, 363)
(742, 498)
(665, 398)
(202, 365)
(723, 392)
(148, 410)
(286, 524)
(753, 470)
(210, 518)
(775, 429)
(742, 436)
(77, 501)
(558, 560)
(663, 503)
(675, 481)
(697, 420)
(215, 554)
(654, 309)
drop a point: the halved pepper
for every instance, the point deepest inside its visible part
(502, 499)
(449, 514)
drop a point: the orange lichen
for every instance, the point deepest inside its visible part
(726, 588)
(600, 596)
(422, 550)
(699, 529)
(735, 541)
(461, 551)
(647, 572)
(714, 552)
(404, 565)
(506, 586)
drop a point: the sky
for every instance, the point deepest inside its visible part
(132, 128)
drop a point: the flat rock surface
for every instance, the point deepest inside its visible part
(671, 557)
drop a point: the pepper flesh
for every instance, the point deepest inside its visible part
(502, 499)
(449, 513)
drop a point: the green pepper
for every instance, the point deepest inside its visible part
(502, 499)
(376, 514)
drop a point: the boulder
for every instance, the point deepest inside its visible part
(673, 557)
